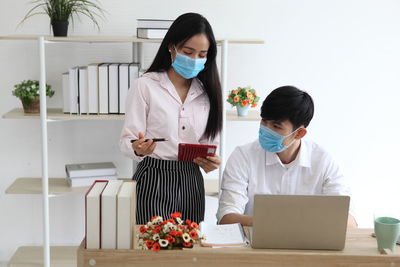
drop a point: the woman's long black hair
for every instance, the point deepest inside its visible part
(183, 28)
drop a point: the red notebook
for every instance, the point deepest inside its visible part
(188, 152)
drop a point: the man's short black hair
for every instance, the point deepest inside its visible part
(288, 103)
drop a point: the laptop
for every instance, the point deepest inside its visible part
(300, 221)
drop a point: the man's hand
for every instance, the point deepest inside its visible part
(208, 164)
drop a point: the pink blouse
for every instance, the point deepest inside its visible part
(154, 108)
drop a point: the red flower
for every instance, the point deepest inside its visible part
(142, 229)
(154, 217)
(254, 105)
(188, 222)
(170, 239)
(245, 102)
(187, 244)
(170, 220)
(149, 243)
(157, 229)
(179, 233)
(156, 247)
(176, 215)
(193, 234)
(173, 233)
(194, 225)
(181, 227)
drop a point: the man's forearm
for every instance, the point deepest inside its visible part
(245, 220)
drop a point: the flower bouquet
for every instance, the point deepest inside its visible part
(160, 234)
(243, 98)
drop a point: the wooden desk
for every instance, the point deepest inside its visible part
(360, 250)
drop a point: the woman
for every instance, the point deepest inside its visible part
(179, 99)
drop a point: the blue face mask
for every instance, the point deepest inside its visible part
(188, 67)
(272, 141)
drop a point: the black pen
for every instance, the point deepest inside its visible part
(154, 140)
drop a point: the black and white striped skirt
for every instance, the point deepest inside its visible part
(166, 186)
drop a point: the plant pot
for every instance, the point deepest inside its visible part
(33, 107)
(60, 27)
(242, 111)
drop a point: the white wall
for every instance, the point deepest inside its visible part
(344, 53)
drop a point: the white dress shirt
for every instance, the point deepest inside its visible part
(154, 108)
(252, 170)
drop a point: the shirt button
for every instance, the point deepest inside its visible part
(183, 128)
(183, 108)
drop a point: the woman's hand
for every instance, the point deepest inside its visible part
(143, 148)
(208, 164)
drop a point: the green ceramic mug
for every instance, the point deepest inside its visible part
(387, 230)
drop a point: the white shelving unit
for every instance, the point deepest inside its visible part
(56, 114)
(48, 187)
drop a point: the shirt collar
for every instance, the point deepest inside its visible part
(304, 155)
(303, 158)
(195, 89)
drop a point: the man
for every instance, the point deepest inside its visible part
(280, 161)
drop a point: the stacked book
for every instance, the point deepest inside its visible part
(110, 212)
(152, 28)
(99, 88)
(85, 174)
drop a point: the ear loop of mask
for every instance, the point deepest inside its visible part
(170, 52)
(291, 143)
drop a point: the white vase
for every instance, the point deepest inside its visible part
(242, 111)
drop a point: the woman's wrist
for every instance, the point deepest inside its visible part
(139, 155)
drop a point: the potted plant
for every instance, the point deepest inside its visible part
(60, 11)
(28, 92)
(243, 98)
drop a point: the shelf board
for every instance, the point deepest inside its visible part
(33, 256)
(56, 114)
(253, 115)
(110, 39)
(59, 186)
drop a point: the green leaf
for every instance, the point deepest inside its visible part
(63, 10)
(28, 90)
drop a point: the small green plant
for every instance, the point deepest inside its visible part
(63, 10)
(29, 90)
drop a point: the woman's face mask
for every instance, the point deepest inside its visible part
(186, 66)
(271, 141)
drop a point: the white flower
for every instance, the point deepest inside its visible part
(186, 237)
(168, 227)
(156, 220)
(179, 220)
(141, 244)
(163, 242)
(149, 224)
(156, 237)
(165, 228)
